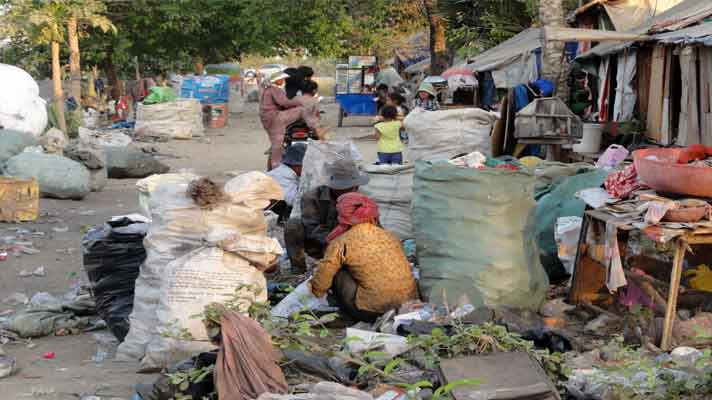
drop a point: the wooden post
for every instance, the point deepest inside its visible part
(671, 309)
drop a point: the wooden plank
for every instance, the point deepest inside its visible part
(671, 309)
(665, 127)
(655, 94)
(706, 95)
(642, 76)
(558, 34)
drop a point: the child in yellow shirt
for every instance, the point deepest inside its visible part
(390, 148)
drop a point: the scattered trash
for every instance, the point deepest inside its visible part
(322, 391)
(53, 141)
(7, 365)
(49, 355)
(361, 341)
(490, 377)
(17, 299)
(300, 299)
(61, 229)
(48, 314)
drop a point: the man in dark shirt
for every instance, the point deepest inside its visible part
(319, 216)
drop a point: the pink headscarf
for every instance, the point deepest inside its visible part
(354, 208)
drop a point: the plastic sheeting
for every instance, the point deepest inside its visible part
(21, 107)
(513, 62)
(676, 18)
(475, 237)
(627, 14)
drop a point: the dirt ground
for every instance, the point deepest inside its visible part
(73, 374)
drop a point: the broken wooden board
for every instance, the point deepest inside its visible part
(503, 376)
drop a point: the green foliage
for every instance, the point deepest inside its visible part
(477, 25)
(183, 379)
(479, 339)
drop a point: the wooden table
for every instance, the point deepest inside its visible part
(698, 236)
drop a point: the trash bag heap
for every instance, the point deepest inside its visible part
(196, 256)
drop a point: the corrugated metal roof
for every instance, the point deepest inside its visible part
(699, 34)
(681, 16)
(508, 52)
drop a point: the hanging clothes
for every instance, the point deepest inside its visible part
(624, 105)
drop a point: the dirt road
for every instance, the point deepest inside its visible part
(73, 373)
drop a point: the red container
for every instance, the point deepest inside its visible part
(658, 168)
(218, 115)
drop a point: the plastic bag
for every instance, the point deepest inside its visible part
(21, 107)
(13, 143)
(441, 135)
(180, 119)
(475, 237)
(146, 186)
(179, 227)
(57, 176)
(301, 298)
(113, 254)
(391, 187)
(319, 155)
(568, 230)
(160, 94)
(131, 163)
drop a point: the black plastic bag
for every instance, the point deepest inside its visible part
(113, 254)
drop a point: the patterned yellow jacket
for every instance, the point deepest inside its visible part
(377, 263)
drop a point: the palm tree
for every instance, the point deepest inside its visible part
(551, 14)
(82, 13)
(439, 56)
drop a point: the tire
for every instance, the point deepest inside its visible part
(341, 117)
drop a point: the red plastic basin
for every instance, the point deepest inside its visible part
(664, 174)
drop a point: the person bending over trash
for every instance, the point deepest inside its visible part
(319, 215)
(364, 265)
(287, 175)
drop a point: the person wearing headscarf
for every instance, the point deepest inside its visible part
(426, 98)
(277, 112)
(364, 266)
(308, 233)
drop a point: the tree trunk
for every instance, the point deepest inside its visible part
(198, 65)
(57, 83)
(439, 56)
(74, 65)
(553, 68)
(112, 79)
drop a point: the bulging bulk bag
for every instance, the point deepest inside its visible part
(475, 237)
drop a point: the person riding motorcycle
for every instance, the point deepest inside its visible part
(277, 112)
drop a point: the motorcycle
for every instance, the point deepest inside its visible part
(298, 131)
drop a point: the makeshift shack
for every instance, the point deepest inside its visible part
(668, 70)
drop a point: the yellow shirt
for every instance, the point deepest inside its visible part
(375, 259)
(390, 137)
